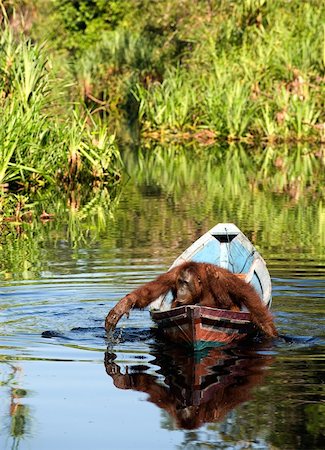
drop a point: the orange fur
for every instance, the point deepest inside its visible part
(208, 285)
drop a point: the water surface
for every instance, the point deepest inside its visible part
(64, 385)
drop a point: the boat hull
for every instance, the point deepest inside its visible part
(200, 326)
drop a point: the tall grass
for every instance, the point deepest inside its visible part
(171, 104)
(251, 70)
(38, 146)
(259, 75)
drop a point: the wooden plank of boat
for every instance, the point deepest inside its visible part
(200, 326)
(226, 246)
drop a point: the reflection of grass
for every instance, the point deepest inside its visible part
(203, 187)
(174, 195)
(77, 219)
(19, 413)
(291, 169)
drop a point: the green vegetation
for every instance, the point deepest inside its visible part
(206, 70)
(78, 78)
(44, 139)
(291, 224)
(215, 107)
(258, 74)
(250, 70)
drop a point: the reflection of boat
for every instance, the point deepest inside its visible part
(196, 387)
(226, 246)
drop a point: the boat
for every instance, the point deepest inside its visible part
(200, 326)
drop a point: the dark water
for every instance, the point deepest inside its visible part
(63, 385)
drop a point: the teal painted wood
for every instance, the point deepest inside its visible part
(200, 346)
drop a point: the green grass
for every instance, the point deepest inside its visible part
(45, 139)
(198, 72)
(251, 70)
(258, 75)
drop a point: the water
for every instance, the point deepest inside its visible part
(64, 385)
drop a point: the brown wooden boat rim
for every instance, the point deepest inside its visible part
(206, 311)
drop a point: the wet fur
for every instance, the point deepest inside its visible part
(209, 285)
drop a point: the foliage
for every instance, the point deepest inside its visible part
(38, 146)
(82, 21)
(258, 74)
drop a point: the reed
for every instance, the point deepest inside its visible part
(258, 73)
(258, 76)
(38, 146)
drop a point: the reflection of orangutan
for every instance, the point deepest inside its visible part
(195, 392)
(198, 283)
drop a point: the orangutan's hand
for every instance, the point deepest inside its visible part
(121, 308)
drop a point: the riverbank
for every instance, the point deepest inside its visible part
(137, 74)
(251, 71)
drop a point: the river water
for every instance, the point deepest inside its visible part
(64, 385)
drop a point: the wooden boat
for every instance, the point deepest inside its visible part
(199, 326)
